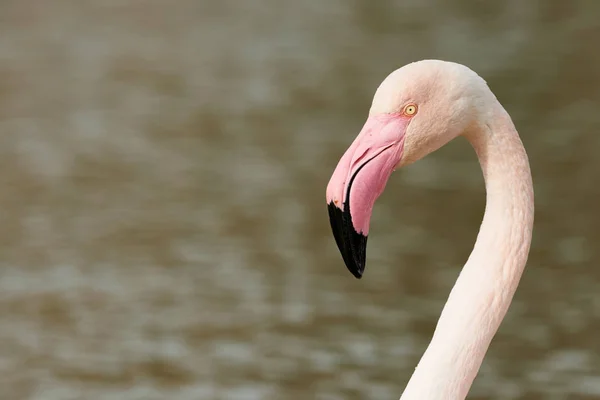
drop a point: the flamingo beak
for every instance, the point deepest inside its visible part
(358, 180)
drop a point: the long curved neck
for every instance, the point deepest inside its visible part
(486, 285)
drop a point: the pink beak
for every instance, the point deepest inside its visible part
(358, 180)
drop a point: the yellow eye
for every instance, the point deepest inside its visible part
(410, 109)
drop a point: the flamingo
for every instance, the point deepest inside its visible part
(417, 109)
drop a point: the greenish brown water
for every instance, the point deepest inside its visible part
(164, 233)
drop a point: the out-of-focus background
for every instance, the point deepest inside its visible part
(164, 233)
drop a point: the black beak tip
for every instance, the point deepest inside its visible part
(356, 270)
(352, 245)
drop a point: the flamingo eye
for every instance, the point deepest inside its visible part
(410, 109)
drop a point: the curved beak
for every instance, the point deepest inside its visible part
(358, 180)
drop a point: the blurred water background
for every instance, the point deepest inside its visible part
(164, 233)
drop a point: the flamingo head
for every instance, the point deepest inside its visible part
(416, 110)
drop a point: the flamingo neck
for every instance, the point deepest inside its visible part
(485, 287)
